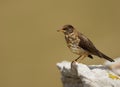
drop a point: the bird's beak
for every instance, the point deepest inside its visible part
(60, 30)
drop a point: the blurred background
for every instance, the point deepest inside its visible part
(30, 46)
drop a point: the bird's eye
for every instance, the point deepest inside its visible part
(64, 28)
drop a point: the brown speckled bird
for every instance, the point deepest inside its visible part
(80, 44)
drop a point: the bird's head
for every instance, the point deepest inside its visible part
(67, 29)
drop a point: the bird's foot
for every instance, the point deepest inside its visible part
(73, 62)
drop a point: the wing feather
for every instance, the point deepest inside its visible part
(87, 45)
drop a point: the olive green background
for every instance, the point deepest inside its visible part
(30, 46)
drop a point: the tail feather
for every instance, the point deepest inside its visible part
(105, 57)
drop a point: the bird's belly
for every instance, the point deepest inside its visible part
(77, 50)
(73, 45)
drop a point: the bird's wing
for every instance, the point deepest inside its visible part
(87, 45)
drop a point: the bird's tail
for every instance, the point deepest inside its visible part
(105, 57)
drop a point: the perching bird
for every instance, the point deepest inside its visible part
(80, 44)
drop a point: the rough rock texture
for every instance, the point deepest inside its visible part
(114, 66)
(81, 75)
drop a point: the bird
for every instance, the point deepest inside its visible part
(81, 45)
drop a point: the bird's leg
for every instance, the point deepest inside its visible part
(76, 59)
(72, 63)
(82, 57)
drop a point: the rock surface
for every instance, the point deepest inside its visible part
(81, 75)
